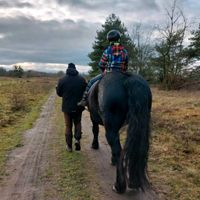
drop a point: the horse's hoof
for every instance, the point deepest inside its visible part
(114, 188)
(95, 146)
(131, 186)
(113, 162)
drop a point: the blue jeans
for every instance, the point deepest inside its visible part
(92, 81)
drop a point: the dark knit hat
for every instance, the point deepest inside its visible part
(71, 70)
(71, 66)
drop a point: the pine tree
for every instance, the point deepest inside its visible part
(194, 48)
(101, 43)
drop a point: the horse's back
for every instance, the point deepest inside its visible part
(109, 98)
(113, 88)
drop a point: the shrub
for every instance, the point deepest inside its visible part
(18, 100)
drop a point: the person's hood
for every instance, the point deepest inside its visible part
(71, 72)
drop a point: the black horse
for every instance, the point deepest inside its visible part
(120, 99)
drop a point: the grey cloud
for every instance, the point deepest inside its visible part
(131, 5)
(30, 40)
(13, 3)
(4, 4)
(22, 5)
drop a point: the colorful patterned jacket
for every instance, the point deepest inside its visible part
(114, 57)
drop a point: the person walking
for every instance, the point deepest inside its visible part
(71, 88)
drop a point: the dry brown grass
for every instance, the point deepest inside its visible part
(174, 164)
(19, 96)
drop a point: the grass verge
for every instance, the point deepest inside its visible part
(174, 163)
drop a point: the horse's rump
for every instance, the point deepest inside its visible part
(112, 99)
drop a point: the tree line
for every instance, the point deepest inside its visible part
(168, 61)
(19, 72)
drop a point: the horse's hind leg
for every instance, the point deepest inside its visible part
(120, 184)
(113, 140)
(113, 121)
(95, 130)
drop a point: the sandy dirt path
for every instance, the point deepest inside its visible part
(26, 163)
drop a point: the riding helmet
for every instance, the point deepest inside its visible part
(113, 36)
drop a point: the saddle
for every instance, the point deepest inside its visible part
(93, 86)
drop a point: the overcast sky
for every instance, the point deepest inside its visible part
(47, 34)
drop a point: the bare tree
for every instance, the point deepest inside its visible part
(171, 57)
(144, 50)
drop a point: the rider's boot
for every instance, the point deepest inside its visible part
(83, 101)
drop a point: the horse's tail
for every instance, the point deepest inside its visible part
(137, 142)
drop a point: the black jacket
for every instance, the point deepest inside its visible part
(71, 88)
